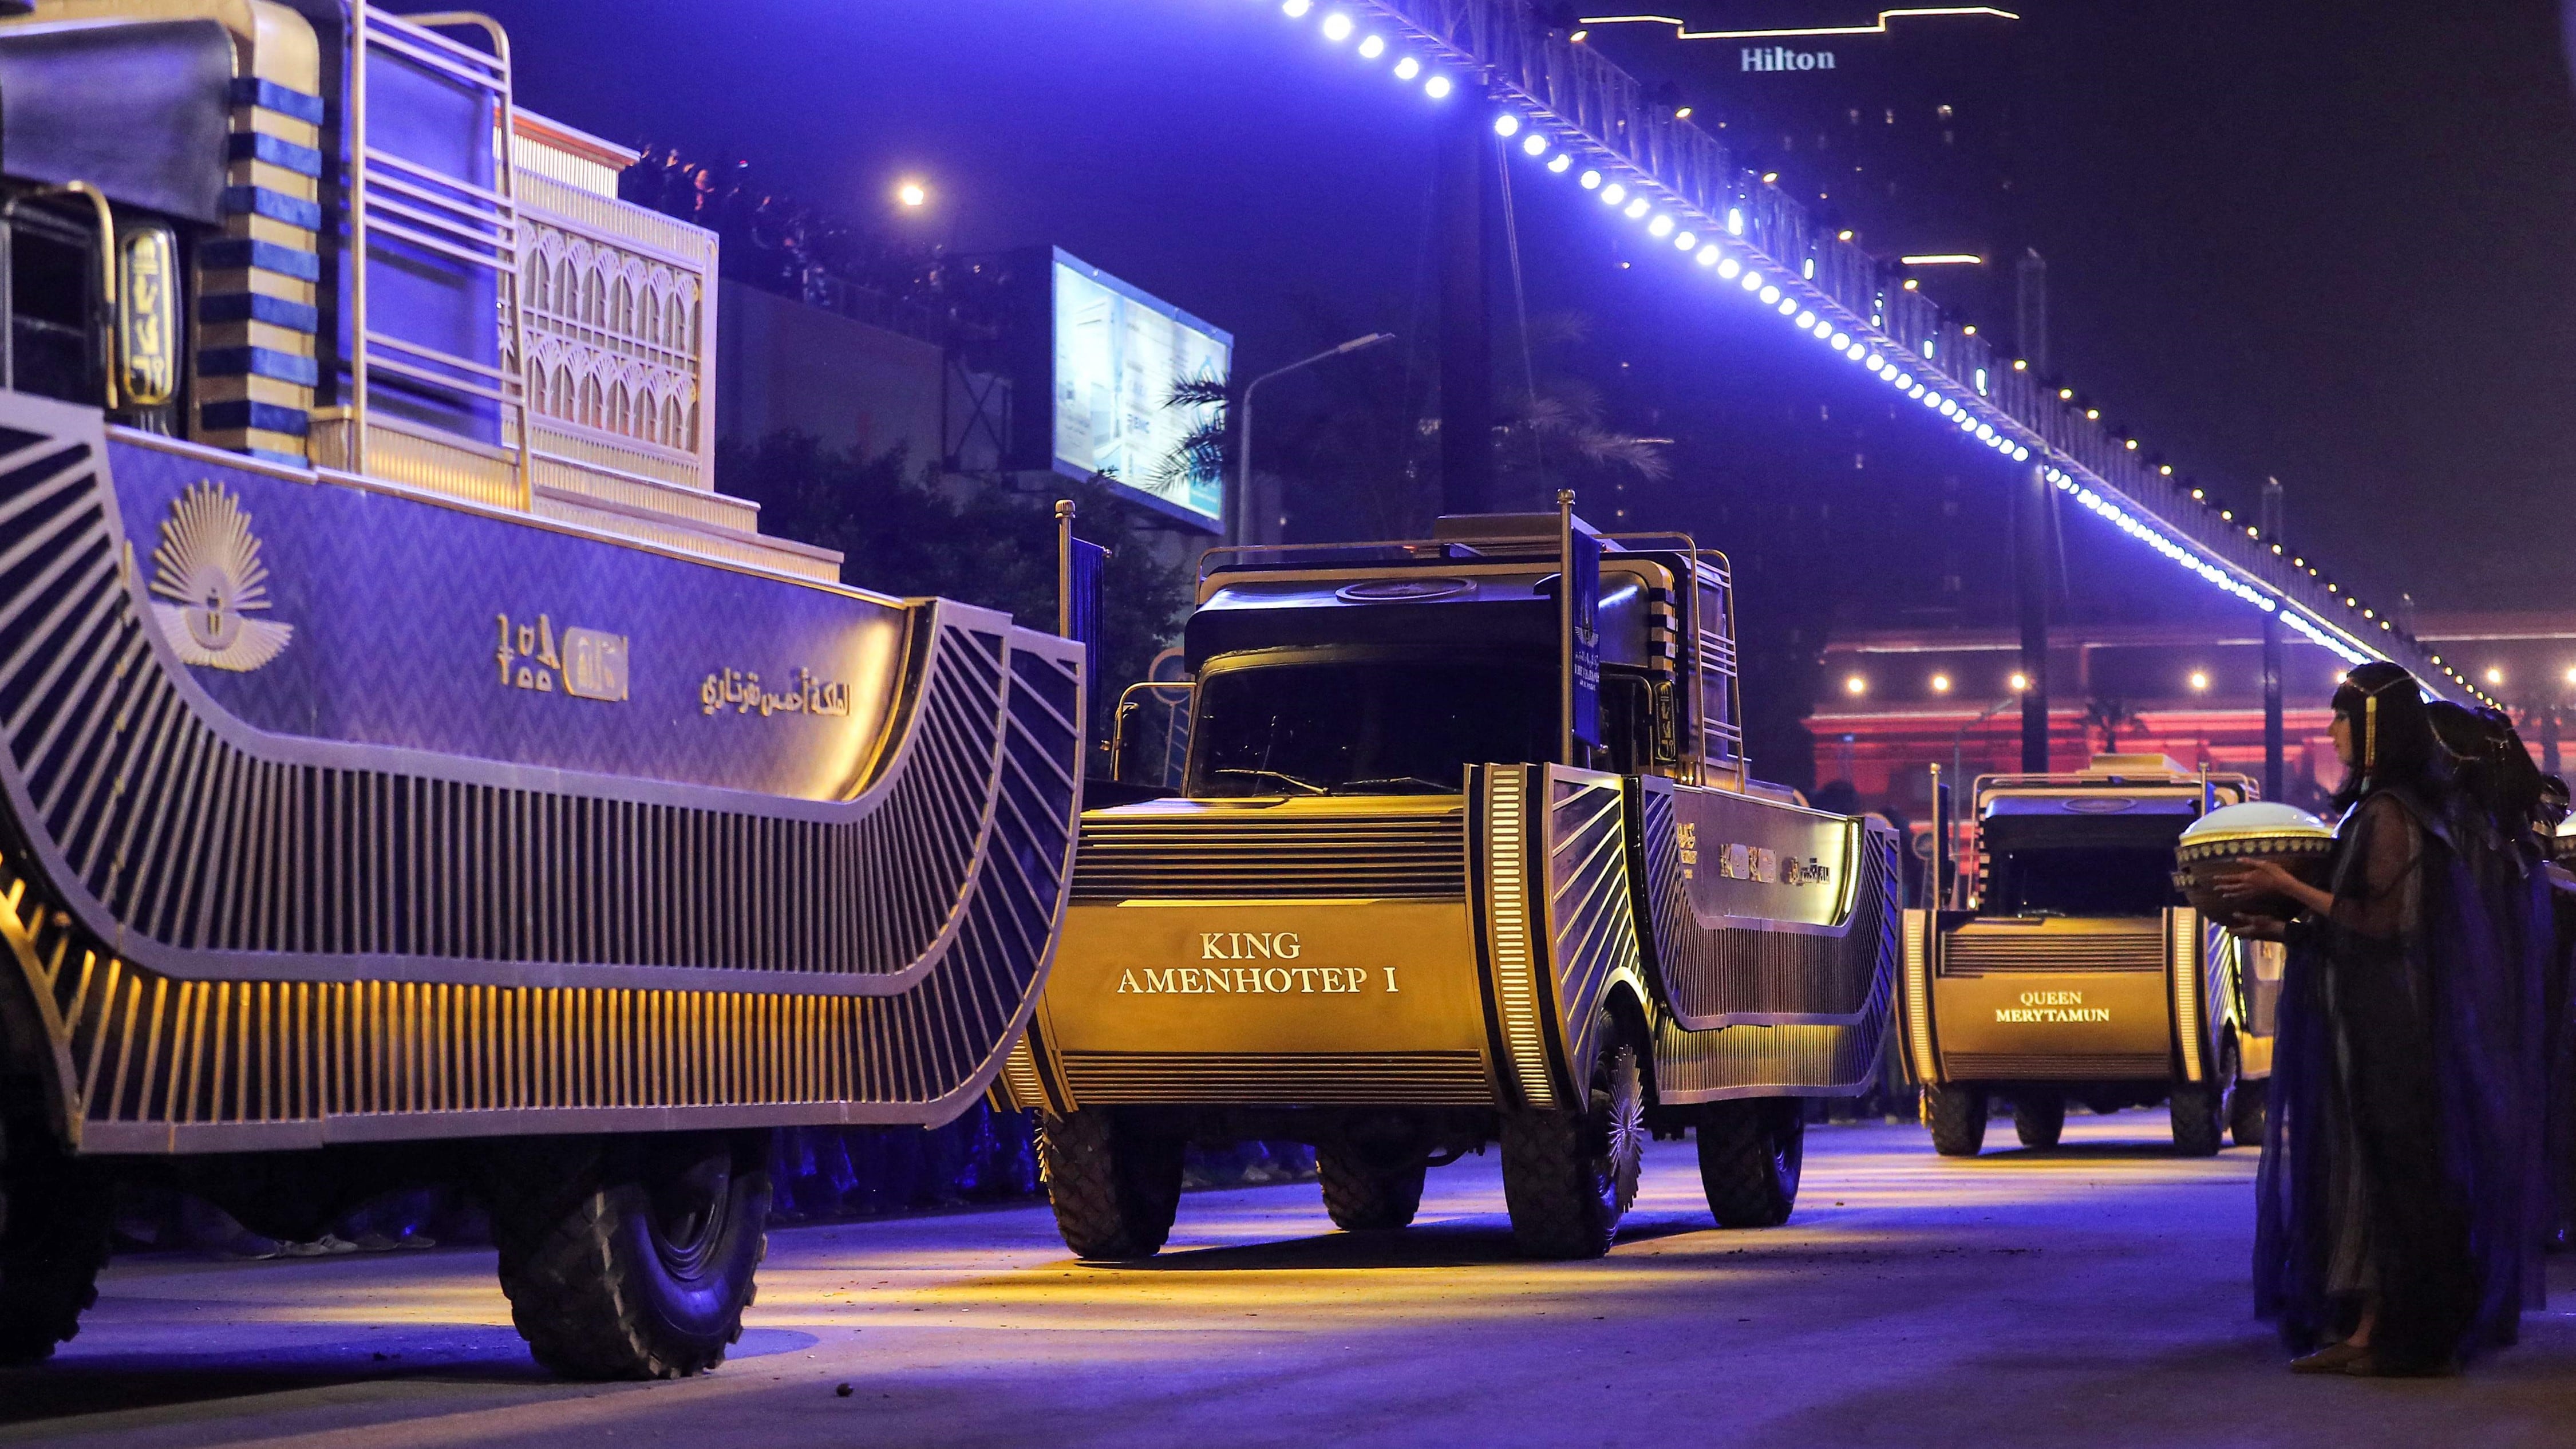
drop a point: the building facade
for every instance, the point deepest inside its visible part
(1891, 704)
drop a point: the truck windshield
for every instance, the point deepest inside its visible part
(1369, 726)
(2101, 881)
(2079, 861)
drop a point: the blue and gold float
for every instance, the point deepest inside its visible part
(1458, 854)
(402, 741)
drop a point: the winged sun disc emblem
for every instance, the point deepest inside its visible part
(208, 568)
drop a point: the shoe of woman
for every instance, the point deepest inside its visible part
(2334, 1358)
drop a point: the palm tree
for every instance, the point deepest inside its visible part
(1365, 460)
(2111, 716)
(1205, 453)
(1551, 434)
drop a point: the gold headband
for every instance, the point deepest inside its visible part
(2370, 718)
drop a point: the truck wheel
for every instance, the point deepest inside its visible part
(2245, 1112)
(1568, 1177)
(1115, 1189)
(1364, 1197)
(1957, 1117)
(2039, 1118)
(642, 1269)
(53, 1240)
(2197, 1109)
(1750, 1154)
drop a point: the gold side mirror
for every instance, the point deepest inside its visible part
(1151, 733)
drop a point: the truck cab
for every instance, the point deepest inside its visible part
(2076, 972)
(1454, 856)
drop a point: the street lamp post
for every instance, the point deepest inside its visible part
(1959, 741)
(1243, 450)
(1958, 775)
(2272, 732)
(914, 198)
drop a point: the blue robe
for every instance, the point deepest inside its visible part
(2404, 1140)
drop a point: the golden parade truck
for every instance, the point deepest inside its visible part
(412, 769)
(2080, 974)
(1460, 854)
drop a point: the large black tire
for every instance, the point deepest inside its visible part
(639, 1264)
(1569, 1176)
(1957, 1117)
(1368, 1197)
(2245, 1108)
(1115, 1189)
(54, 1222)
(2039, 1117)
(2198, 1110)
(1750, 1157)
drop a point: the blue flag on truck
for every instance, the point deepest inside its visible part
(1085, 564)
(1583, 578)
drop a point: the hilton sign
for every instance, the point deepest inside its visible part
(1781, 57)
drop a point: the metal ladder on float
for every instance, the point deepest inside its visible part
(445, 214)
(1714, 653)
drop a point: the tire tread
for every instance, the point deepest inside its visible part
(1551, 1218)
(1739, 1166)
(2039, 1119)
(2196, 1109)
(2245, 1110)
(570, 1298)
(1363, 1198)
(1957, 1117)
(54, 1226)
(1549, 1185)
(1115, 1192)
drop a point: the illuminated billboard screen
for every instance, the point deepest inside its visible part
(1118, 353)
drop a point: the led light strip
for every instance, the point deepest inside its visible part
(1682, 30)
(1507, 911)
(2187, 951)
(1338, 27)
(1718, 245)
(1919, 944)
(2158, 540)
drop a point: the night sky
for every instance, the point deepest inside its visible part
(2327, 242)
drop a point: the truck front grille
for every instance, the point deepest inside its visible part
(1279, 1078)
(1234, 856)
(2072, 1066)
(1986, 950)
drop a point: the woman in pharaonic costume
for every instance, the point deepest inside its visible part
(2401, 1200)
(2527, 806)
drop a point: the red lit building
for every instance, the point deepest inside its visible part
(1890, 704)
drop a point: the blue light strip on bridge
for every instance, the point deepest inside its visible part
(1445, 44)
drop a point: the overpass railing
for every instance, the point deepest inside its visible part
(1587, 105)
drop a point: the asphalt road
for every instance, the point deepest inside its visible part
(2093, 1295)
